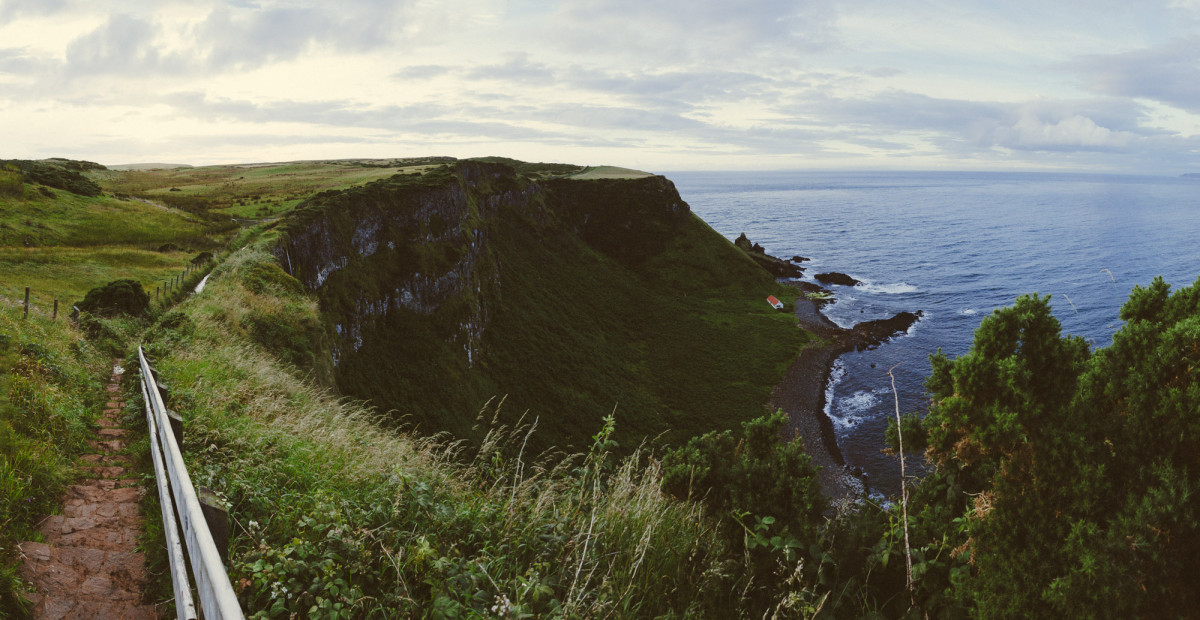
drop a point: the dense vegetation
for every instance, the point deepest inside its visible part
(1062, 480)
(61, 174)
(599, 296)
(50, 392)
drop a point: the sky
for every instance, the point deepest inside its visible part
(659, 85)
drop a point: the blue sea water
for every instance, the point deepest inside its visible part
(956, 245)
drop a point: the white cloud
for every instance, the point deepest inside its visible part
(1074, 132)
(772, 83)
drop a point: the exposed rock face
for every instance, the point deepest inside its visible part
(418, 247)
(871, 334)
(778, 267)
(423, 244)
(836, 278)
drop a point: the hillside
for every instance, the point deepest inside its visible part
(1062, 480)
(570, 298)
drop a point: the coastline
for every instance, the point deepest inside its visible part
(801, 393)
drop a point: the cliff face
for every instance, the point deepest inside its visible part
(430, 238)
(443, 290)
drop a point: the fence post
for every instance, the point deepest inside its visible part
(217, 518)
(26, 302)
(54, 317)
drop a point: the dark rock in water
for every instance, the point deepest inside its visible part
(819, 296)
(871, 334)
(799, 259)
(836, 278)
(756, 248)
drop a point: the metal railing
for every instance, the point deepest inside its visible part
(178, 498)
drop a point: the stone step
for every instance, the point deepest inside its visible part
(109, 472)
(84, 582)
(106, 459)
(112, 445)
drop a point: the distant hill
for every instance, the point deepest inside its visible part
(149, 166)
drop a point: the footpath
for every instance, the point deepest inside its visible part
(89, 567)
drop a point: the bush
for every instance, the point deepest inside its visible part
(117, 297)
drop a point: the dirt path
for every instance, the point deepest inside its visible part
(89, 567)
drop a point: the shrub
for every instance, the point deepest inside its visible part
(117, 297)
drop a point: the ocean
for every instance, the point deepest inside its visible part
(955, 245)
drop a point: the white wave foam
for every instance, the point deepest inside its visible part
(969, 311)
(896, 288)
(836, 372)
(851, 410)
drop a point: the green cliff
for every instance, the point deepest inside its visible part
(571, 298)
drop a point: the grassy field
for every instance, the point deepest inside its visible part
(250, 190)
(43, 217)
(68, 273)
(609, 172)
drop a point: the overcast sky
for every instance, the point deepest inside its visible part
(653, 84)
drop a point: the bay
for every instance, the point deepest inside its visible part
(956, 245)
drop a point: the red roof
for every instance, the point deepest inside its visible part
(774, 302)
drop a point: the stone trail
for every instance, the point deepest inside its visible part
(89, 567)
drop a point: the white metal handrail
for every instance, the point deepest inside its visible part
(185, 608)
(217, 599)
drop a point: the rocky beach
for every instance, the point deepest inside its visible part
(801, 393)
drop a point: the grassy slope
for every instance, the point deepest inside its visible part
(328, 510)
(50, 391)
(677, 344)
(64, 245)
(251, 191)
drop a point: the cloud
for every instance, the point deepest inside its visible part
(1074, 132)
(11, 9)
(421, 72)
(679, 30)
(1169, 73)
(233, 36)
(121, 44)
(517, 69)
(966, 126)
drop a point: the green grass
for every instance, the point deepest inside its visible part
(248, 191)
(49, 394)
(334, 516)
(67, 274)
(66, 219)
(664, 322)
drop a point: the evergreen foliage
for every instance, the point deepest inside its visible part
(116, 297)
(1076, 473)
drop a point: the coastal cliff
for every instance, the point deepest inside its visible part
(571, 298)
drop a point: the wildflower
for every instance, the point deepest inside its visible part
(503, 606)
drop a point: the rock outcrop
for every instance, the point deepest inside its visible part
(836, 278)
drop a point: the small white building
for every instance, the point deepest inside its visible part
(775, 303)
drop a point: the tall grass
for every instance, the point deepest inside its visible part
(67, 274)
(49, 392)
(337, 516)
(59, 218)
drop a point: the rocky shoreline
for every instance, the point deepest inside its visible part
(801, 393)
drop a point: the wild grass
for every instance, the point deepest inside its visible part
(248, 191)
(334, 515)
(43, 217)
(50, 382)
(67, 274)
